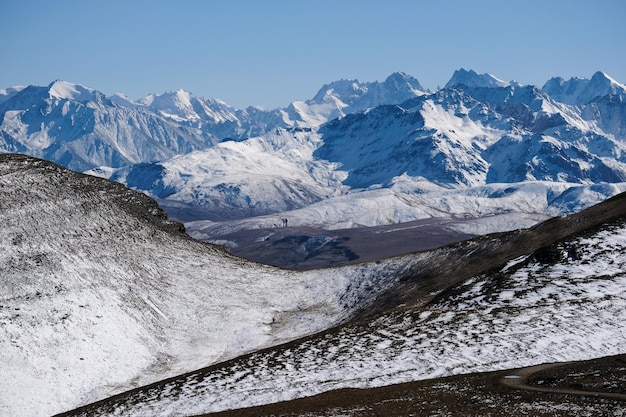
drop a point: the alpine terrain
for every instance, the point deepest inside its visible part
(479, 155)
(378, 249)
(102, 294)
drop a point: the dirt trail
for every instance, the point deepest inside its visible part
(519, 379)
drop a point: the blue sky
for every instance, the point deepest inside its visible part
(269, 53)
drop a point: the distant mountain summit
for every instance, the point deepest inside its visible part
(328, 157)
(181, 105)
(81, 128)
(343, 97)
(580, 91)
(60, 89)
(358, 96)
(471, 78)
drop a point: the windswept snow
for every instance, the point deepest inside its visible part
(69, 91)
(98, 296)
(566, 306)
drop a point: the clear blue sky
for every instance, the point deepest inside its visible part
(271, 52)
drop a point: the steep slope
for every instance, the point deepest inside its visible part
(432, 137)
(80, 128)
(262, 175)
(547, 294)
(101, 292)
(470, 78)
(394, 152)
(601, 100)
(579, 91)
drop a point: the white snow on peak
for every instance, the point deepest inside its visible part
(578, 90)
(346, 96)
(357, 96)
(63, 90)
(403, 81)
(315, 114)
(471, 78)
(181, 105)
(7, 93)
(122, 100)
(169, 102)
(345, 90)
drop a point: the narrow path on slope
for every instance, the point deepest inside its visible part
(519, 379)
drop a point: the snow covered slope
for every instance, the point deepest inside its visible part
(262, 175)
(80, 128)
(463, 151)
(331, 154)
(578, 91)
(552, 293)
(100, 292)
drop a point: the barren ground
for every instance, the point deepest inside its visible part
(589, 388)
(310, 248)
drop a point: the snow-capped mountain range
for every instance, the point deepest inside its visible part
(355, 154)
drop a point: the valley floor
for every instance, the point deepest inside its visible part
(311, 248)
(587, 388)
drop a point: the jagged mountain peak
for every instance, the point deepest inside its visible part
(604, 84)
(397, 87)
(579, 90)
(182, 105)
(454, 137)
(401, 81)
(604, 78)
(345, 89)
(471, 78)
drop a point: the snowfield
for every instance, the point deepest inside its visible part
(563, 304)
(101, 293)
(477, 210)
